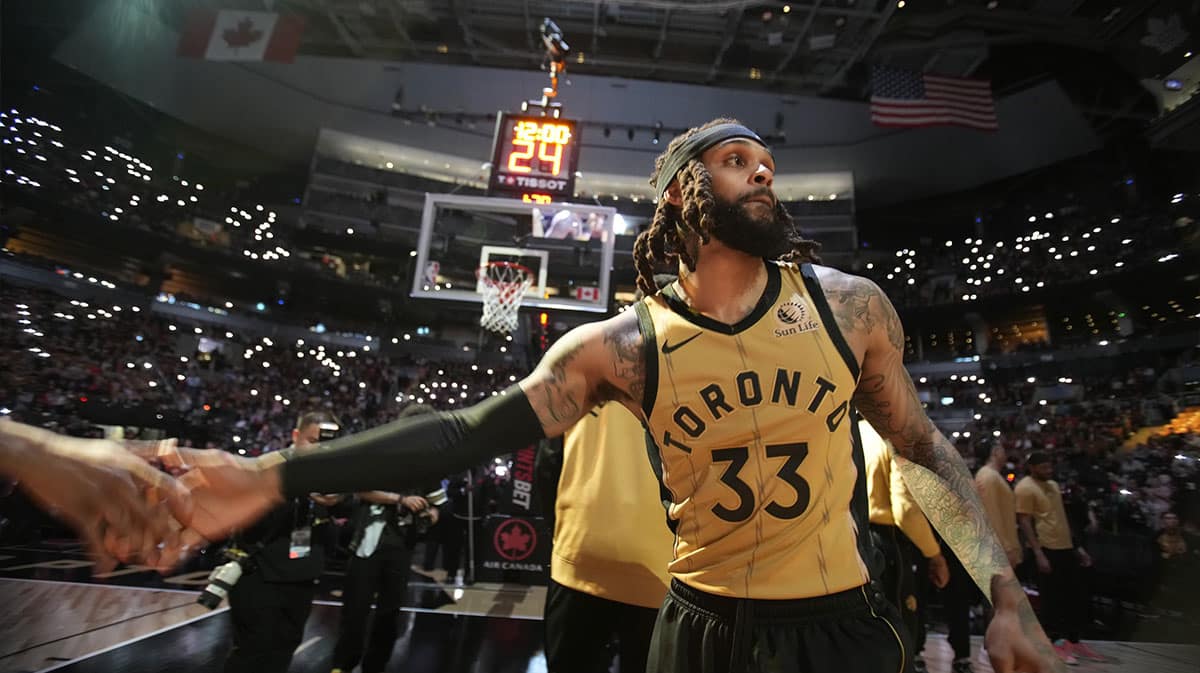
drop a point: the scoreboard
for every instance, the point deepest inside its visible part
(534, 158)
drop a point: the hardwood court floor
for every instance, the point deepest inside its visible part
(58, 617)
(86, 629)
(46, 622)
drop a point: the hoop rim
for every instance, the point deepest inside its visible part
(481, 275)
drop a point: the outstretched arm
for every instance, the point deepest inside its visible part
(930, 465)
(580, 370)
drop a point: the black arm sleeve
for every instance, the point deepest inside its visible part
(417, 450)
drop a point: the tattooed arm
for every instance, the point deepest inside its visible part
(593, 363)
(931, 466)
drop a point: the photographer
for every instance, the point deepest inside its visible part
(386, 527)
(270, 603)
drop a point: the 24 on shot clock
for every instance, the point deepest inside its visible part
(534, 157)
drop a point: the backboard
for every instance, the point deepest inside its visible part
(568, 247)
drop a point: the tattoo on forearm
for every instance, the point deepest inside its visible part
(933, 470)
(944, 489)
(946, 493)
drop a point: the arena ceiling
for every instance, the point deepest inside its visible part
(1098, 49)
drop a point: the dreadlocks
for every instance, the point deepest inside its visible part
(675, 232)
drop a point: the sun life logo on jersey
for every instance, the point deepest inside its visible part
(795, 317)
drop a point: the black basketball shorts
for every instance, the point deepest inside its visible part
(854, 631)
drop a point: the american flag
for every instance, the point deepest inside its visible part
(911, 99)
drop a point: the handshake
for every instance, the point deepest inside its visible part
(151, 503)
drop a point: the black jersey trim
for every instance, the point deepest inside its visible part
(765, 302)
(859, 501)
(826, 313)
(664, 494)
(650, 349)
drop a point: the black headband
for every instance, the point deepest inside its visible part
(693, 147)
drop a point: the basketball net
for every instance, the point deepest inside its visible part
(504, 283)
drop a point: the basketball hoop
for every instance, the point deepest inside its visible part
(504, 283)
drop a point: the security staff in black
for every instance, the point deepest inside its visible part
(386, 527)
(270, 603)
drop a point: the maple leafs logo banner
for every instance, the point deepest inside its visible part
(235, 35)
(1153, 37)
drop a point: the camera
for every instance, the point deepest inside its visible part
(552, 37)
(424, 519)
(329, 430)
(220, 582)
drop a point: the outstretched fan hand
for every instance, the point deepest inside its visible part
(123, 508)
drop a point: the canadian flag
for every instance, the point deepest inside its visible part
(235, 35)
(586, 293)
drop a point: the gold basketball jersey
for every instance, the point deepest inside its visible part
(754, 428)
(610, 539)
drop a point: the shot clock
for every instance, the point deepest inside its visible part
(534, 158)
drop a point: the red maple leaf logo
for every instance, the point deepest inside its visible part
(242, 36)
(515, 540)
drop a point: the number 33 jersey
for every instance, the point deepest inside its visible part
(753, 424)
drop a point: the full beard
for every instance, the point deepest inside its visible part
(766, 235)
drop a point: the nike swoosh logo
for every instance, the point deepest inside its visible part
(667, 348)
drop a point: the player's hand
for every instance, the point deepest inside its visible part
(121, 506)
(433, 516)
(1011, 650)
(1085, 559)
(228, 492)
(1015, 640)
(414, 503)
(1043, 563)
(939, 571)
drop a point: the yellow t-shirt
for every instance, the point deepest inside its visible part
(753, 427)
(1043, 501)
(610, 533)
(891, 503)
(1000, 505)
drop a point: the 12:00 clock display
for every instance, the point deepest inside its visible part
(534, 154)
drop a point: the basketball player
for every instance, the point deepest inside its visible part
(99, 488)
(999, 502)
(1000, 505)
(1060, 562)
(608, 568)
(745, 372)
